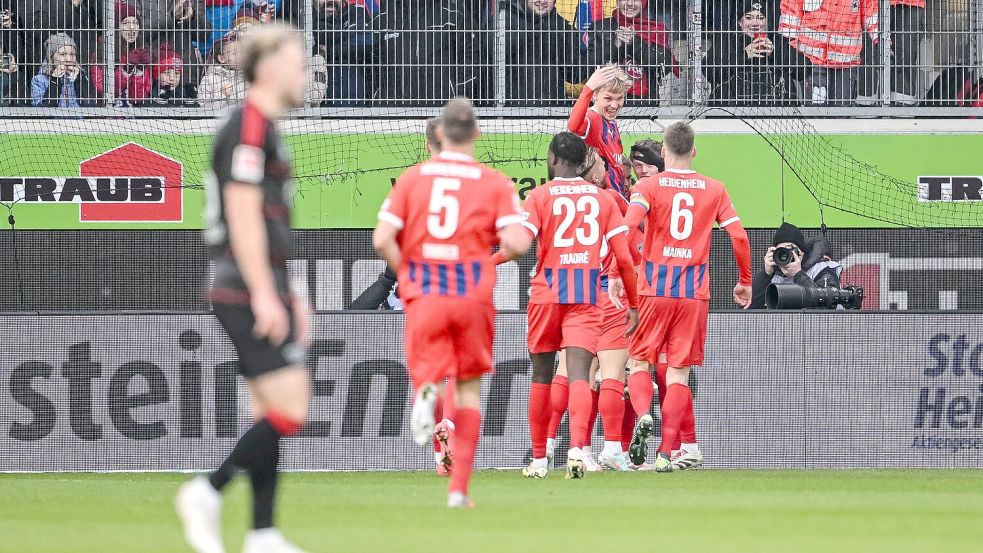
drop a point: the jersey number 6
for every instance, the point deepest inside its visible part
(589, 233)
(444, 210)
(681, 218)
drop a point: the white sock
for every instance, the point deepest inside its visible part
(612, 448)
(575, 453)
(691, 448)
(539, 463)
(550, 444)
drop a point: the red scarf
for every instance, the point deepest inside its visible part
(651, 32)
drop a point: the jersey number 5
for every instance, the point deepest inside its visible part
(589, 233)
(681, 218)
(444, 210)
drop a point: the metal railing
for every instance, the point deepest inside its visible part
(368, 57)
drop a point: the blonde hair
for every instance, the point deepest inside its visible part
(618, 84)
(263, 42)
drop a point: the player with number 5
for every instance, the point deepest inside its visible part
(574, 223)
(679, 207)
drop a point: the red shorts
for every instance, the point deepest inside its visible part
(676, 326)
(554, 326)
(448, 338)
(614, 326)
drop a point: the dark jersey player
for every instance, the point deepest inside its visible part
(248, 232)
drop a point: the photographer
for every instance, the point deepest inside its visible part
(797, 261)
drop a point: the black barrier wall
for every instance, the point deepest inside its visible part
(788, 390)
(166, 270)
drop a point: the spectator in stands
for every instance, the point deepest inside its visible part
(223, 84)
(344, 37)
(10, 47)
(170, 88)
(907, 28)
(745, 64)
(180, 26)
(132, 80)
(61, 82)
(252, 14)
(830, 35)
(542, 52)
(82, 20)
(433, 50)
(635, 42)
(582, 15)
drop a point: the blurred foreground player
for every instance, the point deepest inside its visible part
(437, 229)
(574, 222)
(679, 207)
(248, 232)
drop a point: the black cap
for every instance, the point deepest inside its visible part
(789, 233)
(647, 156)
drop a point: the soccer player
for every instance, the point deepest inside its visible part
(646, 158)
(572, 221)
(437, 229)
(679, 207)
(598, 124)
(248, 234)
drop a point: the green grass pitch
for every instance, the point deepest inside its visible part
(695, 511)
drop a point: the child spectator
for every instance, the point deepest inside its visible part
(344, 38)
(223, 85)
(170, 88)
(80, 19)
(636, 43)
(181, 26)
(132, 82)
(61, 82)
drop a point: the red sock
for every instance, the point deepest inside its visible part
(580, 399)
(677, 396)
(467, 427)
(595, 398)
(640, 390)
(627, 425)
(687, 432)
(539, 418)
(438, 415)
(559, 396)
(660, 381)
(612, 407)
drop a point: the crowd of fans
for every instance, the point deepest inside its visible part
(56, 53)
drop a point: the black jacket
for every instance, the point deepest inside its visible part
(184, 95)
(827, 278)
(433, 50)
(639, 58)
(736, 77)
(542, 52)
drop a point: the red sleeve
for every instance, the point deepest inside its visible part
(626, 269)
(393, 210)
(742, 252)
(533, 221)
(577, 123)
(726, 214)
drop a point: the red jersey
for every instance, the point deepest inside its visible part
(449, 211)
(608, 261)
(571, 220)
(602, 134)
(681, 208)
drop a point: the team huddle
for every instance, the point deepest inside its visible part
(621, 280)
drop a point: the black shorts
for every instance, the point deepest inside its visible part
(257, 355)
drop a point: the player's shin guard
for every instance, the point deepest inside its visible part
(595, 398)
(641, 391)
(580, 408)
(673, 411)
(539, 418)
(467, 423)
(612, 407)
(559, 397)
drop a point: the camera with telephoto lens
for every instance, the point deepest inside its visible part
(782, 256)
(793, 296)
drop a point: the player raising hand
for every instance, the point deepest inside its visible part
(574, 222)
(679, 207)
(598, 124)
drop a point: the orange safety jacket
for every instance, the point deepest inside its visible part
(829, 32)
